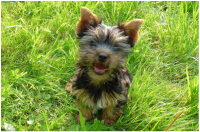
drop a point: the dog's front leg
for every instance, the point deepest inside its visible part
(86, 112)
(110, 115)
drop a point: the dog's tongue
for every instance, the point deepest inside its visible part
(100, 68)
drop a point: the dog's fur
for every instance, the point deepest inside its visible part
(102, 79)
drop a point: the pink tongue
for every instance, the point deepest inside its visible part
(100, 67)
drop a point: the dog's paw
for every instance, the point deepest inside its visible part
(86, 117)
(110, 121)
(69, 87)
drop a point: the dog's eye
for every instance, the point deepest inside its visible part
(92, 44)
(116, 48)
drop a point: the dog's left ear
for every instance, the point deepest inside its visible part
(87, 19)
(131, 29)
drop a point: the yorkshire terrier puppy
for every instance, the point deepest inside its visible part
(102, 79)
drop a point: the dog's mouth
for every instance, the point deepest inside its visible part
(100, 68)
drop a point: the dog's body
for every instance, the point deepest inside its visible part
(102, 79)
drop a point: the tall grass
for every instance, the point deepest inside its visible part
(39, 50)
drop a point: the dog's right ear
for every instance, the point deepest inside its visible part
(87, 19)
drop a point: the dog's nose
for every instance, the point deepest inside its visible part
(102, 57)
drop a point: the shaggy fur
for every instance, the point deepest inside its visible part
(102, 79)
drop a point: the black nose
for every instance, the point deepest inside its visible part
(103, 57)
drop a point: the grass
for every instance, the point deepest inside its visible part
(39, 50)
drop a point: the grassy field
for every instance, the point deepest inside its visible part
(39, 52)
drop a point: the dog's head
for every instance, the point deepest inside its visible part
(104, 49)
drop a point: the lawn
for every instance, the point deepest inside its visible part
(39, 52)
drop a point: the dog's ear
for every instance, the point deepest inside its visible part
(87, 19)
(131, 29)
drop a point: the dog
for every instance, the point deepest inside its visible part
(102, 80)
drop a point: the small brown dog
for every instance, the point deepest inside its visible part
(102, 79)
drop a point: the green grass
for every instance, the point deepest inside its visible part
(39, 50)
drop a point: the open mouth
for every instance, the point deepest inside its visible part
(100, 68)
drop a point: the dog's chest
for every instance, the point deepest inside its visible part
(106, 100)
